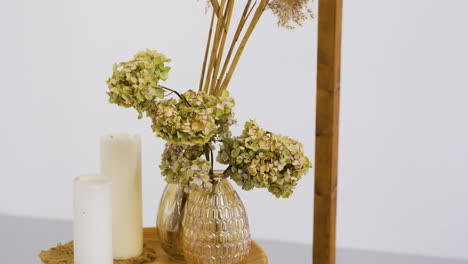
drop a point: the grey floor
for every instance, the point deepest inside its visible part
(21, 239)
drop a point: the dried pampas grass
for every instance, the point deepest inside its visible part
(291, 13)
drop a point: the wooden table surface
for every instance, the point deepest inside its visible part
(22, 238)
(151, 238)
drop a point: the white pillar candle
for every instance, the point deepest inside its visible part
(121, 162)
(92, 220)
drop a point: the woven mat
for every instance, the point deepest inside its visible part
(63, 254)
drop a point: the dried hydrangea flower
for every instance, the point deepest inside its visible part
(291, 12)
(219, 107)
(182, 164)
(135, 83)
(205, 118)
(260, 159)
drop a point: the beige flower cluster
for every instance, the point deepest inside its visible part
(260, 159)
(182, 164)
(197, 120)
(135, 83)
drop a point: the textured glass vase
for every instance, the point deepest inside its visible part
(169, 220)
(216, 228)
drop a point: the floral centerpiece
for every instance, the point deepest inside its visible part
(193, 123)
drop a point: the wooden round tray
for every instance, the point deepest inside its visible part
(151, 238)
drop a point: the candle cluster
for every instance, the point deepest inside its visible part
(108, 207)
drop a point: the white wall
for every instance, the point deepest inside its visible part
(404, 159)
(403, 141)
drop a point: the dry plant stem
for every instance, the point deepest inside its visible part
(212, 161)
(215, 5)
(219, 33)
(240, 49)
(219, 56)
(208, 152)
(210, 33)
(245, 15)
(214, 48)
(227, 169)
(177, 93)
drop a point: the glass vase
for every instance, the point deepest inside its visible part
(169, 220)
(216, 228)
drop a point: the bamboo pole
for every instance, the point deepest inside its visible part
(327, 128)
(207, 50)
(245, 15)
(258, 13)
(227, 21)
(215, 46)
(215, 5)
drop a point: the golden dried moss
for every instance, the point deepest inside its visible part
(63, 254)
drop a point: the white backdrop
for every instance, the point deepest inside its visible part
(403, 161)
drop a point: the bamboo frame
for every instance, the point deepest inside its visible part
(327, 129)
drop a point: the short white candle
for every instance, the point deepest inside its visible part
(121, 162)
(92, 220)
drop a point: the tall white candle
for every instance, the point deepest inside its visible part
(92, 220)
(121, 162)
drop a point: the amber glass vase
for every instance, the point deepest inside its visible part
(169, 220)
(216, 228)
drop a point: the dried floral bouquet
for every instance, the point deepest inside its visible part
(194, 122)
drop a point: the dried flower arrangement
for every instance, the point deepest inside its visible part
(194, 122)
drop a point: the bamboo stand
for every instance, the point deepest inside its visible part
(327, 124)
